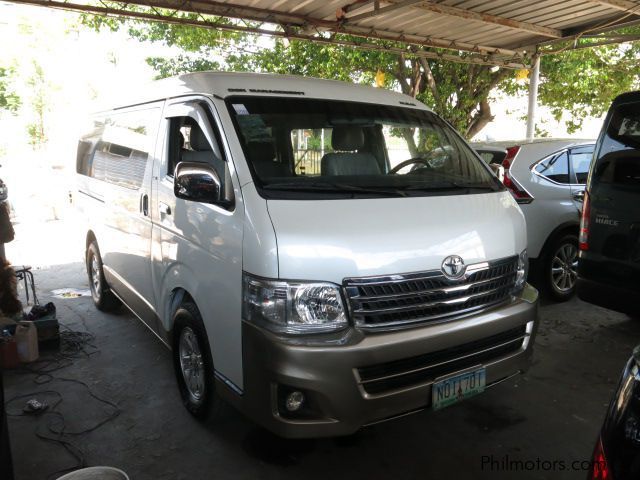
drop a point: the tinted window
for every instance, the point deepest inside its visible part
(117, 149)
(555, 167)
(619, 157)
(334, 148)
(580, 159)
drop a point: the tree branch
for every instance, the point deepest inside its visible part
(481, 118)
(430, 80)
(401, 75)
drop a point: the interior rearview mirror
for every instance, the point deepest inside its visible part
(198, 182)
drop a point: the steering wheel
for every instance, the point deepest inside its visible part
(411, 161)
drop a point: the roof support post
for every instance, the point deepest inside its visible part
(533, 98)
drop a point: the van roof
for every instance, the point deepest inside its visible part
(225, 84)
(627, 97)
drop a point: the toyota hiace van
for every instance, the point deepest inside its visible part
(322, 256)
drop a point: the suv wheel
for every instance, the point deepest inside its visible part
(560, 268)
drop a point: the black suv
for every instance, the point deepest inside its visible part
(609, 264)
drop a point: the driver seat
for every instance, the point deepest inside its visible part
(346, 160)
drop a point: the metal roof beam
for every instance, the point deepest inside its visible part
(419, 40)
(586, 31)
(471, 58)
(381, 11)
(311, 26)
(606, 41)
(469, 15)
(624, 5)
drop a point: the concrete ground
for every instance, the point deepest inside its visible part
(549, 417)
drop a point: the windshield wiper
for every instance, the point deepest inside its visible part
(333, 188)
(451, 186)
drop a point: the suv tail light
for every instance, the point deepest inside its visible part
(599, 468)
(519, 193)
(583, 238)
(511, 154)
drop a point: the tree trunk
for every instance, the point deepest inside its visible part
(482, 117)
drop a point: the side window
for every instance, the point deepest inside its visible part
(188, 143)
(580, 159)
(555, 167)
(118, 148)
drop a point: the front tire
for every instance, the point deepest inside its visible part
(103, 297)
(193, 363)
(559, 268)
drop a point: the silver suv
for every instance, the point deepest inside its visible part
(547, 178)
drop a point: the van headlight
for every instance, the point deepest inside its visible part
(292, 307)
(522, 271)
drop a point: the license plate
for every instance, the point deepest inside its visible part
(449, 390)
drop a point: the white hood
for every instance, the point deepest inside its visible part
(328, 240)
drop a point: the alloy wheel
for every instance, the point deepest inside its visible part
(564, 268)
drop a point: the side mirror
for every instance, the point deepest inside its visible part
(198, 182)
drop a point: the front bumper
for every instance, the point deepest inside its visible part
(329, 375)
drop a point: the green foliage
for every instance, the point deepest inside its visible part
(169, 67)
(314, 142)
(40, 88)
(9, 100)
(582, 83)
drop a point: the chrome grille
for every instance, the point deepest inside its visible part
(396, 300)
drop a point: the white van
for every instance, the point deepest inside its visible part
(322, 256)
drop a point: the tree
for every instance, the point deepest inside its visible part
(9, 100)
(584, 82)
(461, 93)
(39, 87)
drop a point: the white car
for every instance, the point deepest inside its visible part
(547, 178)
(321, 255)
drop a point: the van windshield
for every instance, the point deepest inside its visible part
(307, 148)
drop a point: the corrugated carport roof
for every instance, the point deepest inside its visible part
(501, 32)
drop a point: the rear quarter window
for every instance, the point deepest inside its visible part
(555, 168)
(618, 160)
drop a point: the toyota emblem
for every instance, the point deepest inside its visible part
(453, 267)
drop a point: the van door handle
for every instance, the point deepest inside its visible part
(164, 208)
(144, 204)
(579, 196)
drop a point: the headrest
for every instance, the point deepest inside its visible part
(198, 141)
(347, 138)
(261, 152)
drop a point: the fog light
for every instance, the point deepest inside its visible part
(294, 401)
